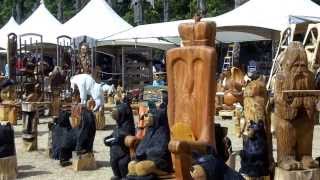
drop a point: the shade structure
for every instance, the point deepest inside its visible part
(44, 23)
(10, 27)
(97, 20)
(253, 21)
(148, 42)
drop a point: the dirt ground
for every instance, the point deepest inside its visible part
(37, 165)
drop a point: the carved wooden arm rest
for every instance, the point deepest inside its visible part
(182, 156)
(131, 142)
(186, 147)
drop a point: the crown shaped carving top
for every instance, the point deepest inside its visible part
(199, 33)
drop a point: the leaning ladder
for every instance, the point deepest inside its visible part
(228, 59)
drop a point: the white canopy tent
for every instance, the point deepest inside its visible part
(97, 20)
(253, 21)
(44, 23)
(148, 42)
(10, 27)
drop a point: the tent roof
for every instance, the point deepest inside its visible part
(267, 14)
(44, 23)
(97, 19)
(254, 20)
(10, 27)
(148, 42)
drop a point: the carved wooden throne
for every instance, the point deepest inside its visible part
(191, 87)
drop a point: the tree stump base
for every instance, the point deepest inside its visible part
(231, 162)
(310, 174)
(30, 145)
(256, 178)
(8, 112)
(8, 168)
(226, 114)
(100, 120)
(83, 162)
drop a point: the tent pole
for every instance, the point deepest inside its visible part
(122, 66)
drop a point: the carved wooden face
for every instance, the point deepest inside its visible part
(295, 68)
(148, 120)
(84, 50)
(299, 67)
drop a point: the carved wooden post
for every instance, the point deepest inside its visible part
(57, 81)
(85, 61)
(191, 89)
(30, 120)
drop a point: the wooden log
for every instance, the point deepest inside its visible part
(12, 115)
(30, 118)
(231, 162)
(110, 100)
(237, 122)
(226, 113)
(75, 115)
(83, 162)
(8, 168)
(100, 120)
(3, 113)
(56, 104)
(30, 145)
(257, 178)
(310, 174)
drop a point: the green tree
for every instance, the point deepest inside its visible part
(5, 10)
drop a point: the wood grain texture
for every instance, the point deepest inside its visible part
(8, 168)
(191, 88)
(311, 174)
(295, 115)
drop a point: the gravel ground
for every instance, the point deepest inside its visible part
(36, 165)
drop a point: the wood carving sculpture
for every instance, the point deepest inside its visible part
(295, 112)
(57, 78)
(85, 62)
(191, 89)
(8, 110)
(88, 86)
(145, 109)
(256, 155)
(79, 139)
(34, 93)
(119, 94)
(152, 157)
(119, 153)
(8, 160)
(233, 83)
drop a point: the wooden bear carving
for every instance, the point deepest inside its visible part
(294, 110)
(256, 156)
